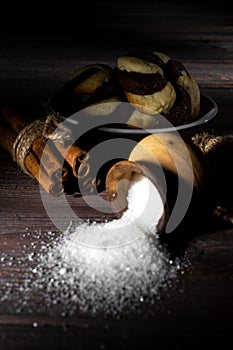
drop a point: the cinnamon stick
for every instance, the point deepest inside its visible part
(16, 121)
(8, 137)
(51, 164)
(71, 153)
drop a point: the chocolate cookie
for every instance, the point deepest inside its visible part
(141, 120)
(87, 79)
(144, 85)
(157, 84)
(92, 84)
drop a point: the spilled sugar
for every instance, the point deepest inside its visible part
(96, 268)
(145, 208)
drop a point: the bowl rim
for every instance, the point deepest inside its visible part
(202, 120)
(112, 129)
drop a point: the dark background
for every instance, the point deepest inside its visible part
(84, 18)
(47, 32)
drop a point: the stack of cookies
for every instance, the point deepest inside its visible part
(155, 85)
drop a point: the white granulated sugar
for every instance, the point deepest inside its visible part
(145, 208)
(100, 268)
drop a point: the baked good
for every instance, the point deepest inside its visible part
(87, 79)
(90, 85)
(157, 84)
(159, 89)
(141, 120)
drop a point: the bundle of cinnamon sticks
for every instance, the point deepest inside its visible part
(55, 165)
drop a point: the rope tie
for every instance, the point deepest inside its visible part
(50, 128)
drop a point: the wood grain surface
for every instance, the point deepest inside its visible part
(37, 54)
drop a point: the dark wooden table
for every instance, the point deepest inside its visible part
(40, 47)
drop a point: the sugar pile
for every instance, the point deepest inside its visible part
(100, 268)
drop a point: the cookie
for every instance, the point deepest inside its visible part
(144, 85)
(92, 84)
(141, 120)
(157, 84)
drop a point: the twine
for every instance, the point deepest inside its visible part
(217, 149)
(56, 131)
(207, 142)
(50, 128)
